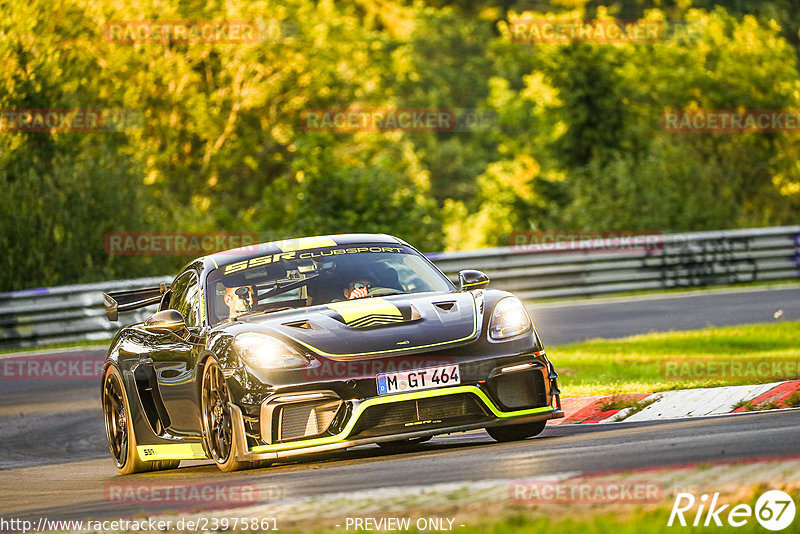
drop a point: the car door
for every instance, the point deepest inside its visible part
(174, 360)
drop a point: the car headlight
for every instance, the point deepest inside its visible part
(509, 319)
(266, 352)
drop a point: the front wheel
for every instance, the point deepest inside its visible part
(516, 432)
(218, 420)
(119, 429)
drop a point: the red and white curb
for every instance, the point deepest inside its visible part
(675, 404)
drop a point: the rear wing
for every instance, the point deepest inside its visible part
(122, 301)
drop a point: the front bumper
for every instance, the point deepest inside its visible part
(379, 419)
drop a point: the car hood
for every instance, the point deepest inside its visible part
(379, 326)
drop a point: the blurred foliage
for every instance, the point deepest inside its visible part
(576, 143)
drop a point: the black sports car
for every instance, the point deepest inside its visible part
(315, 344)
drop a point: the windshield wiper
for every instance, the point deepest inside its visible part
(264, 312)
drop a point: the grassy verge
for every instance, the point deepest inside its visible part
(587, 519)
(652, 522)
(640, 363)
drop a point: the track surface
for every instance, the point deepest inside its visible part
(613, 318)
(55, 463)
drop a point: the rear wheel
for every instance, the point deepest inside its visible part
(218, 419)
(516, 432)
(119, 429)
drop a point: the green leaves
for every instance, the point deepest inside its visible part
(223, 147)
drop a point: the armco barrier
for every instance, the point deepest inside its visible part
(64, 314)
(73, 313)
(681, 260)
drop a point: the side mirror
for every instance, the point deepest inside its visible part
(165, 321)
(470, 279)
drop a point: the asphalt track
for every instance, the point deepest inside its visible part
(54, 460)
(566, 322)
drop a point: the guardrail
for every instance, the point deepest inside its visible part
(676, 260)
(74, 313)
(64, 314)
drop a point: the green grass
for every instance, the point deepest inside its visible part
(617, 402)
(637, 364)
(750, 406)
(637, 407)
(763, 406)
(793, 400)
(624, 521)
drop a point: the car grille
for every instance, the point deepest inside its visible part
(441, 411)
(301, 420)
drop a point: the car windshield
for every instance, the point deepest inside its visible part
(277, 281)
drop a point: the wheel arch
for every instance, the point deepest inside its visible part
(199, 370)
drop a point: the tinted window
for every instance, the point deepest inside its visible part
(185, 297)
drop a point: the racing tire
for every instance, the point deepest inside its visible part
(119, 429)
(516, 432)
(218, 420)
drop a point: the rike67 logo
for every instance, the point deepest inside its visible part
(774, 510)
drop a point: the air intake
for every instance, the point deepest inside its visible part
(306, 419)
(403, 415)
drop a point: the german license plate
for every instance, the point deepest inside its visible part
(430, 377)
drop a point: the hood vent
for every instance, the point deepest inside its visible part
(447, 306)
(300, 324)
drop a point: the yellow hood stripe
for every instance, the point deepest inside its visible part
(334, 355)
(354, 310)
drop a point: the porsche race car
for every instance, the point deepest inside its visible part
(316, 344)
